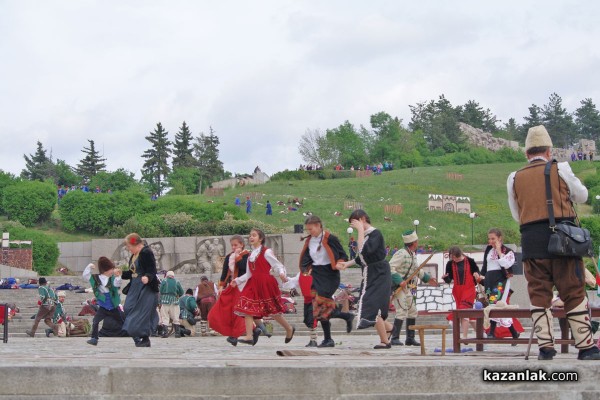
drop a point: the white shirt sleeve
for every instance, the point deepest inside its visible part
(241, 280)
(87, 272)
(117, 281)
(196, 292)
(578, 192)
(275, 263)
(512, 201)
(507, 260)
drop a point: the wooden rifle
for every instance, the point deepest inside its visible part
(412, 276)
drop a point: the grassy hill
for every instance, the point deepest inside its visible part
(484, 184)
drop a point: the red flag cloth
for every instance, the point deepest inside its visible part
(597, 278)
(221, 317)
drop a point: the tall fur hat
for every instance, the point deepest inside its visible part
(170, 274)
(104, 264)
(537, 136)
(409, 237)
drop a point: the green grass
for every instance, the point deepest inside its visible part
(484, 184)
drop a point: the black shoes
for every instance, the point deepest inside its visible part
(396, 342)
(546, 353)
(312, 343)
(383, 346)
(411, 342)
(232, 340)
(143, 342)
(349, 323)
(93, 341)
(593, 353)
(255, 334)
(48, 332)
(244, 341)
(289, 339)
(327, 343)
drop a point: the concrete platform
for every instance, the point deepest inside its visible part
(210, 368)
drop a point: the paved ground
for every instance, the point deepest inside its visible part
(210, 368)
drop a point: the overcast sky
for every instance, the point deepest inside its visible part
(262, 72)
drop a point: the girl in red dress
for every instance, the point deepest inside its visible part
(260, 295)
(464, 272)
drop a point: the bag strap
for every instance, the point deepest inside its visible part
(549, 202)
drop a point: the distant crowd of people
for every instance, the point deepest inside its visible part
(582, 156)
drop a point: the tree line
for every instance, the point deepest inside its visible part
(187, 165)
(433, 132)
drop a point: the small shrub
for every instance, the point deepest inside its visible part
(29, 202)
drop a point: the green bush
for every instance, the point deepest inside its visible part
(6, 179)
(98, 213)
(45, 248)
(147, 226)
(29, 202)
(228, 227)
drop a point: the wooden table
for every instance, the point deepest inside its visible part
(479, 340)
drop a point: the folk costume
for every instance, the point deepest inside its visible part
(403, 264)
(170, 291)
(527, 202)
(206, 296)
(376, 280)
(59, 318)
(463, 290)
(221, 317)
(47, 304)
(141, 316)
(495, 270)
(108, 299)
(188, 309)
(260, 296)
(318, 258)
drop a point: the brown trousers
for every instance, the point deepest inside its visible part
(45, 313)
(566, 274)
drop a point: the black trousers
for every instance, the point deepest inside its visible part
(99, 317)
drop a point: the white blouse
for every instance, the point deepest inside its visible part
(271, 259)
(495, 263)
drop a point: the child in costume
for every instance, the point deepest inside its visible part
(106, 286)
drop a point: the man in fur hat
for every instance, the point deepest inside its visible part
(527, 201)
(47, 304)
(60, 316)
(403, 264)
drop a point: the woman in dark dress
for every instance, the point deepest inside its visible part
(141, 316)
(376, 283)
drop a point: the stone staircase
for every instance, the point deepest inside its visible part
(26, 300)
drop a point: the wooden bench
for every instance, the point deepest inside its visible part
(421, 330)
(524, 313)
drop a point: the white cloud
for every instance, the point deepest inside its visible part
(263, 72)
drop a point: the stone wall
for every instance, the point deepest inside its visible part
(185, 255)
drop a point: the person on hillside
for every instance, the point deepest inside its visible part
(141, 317)
(269, 208)
(322, 257)
(261, 296)
(248, 205)
(47, 304)
(464, 272)
(105, 285)
(170, 291)
(527, 201)
(496, 272)
(188, 309)
(376, 283)
(403, 265)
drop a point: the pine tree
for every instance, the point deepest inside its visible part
(156, 166)
(38, 166)
(558, 122)
(92, 163)
(206, 151)
(587, 119)
(533, 119)
(183, 149)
